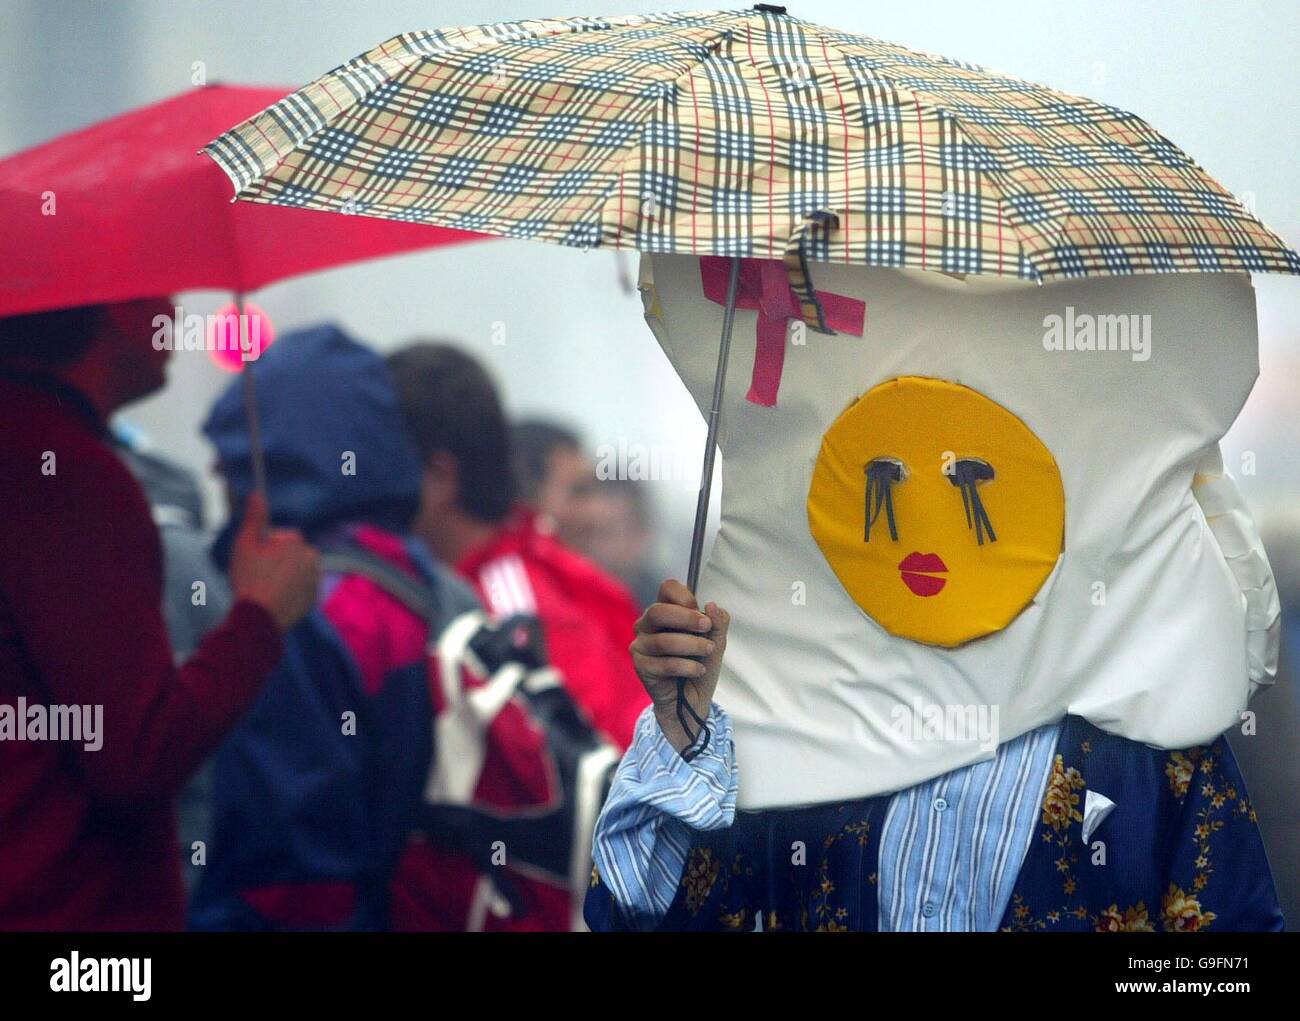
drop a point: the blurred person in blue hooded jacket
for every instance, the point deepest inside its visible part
(405, 732)
(315, 794)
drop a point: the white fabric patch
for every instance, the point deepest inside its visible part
(1095, 809)
(1142, 628)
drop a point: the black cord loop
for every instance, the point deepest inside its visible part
(699, 737)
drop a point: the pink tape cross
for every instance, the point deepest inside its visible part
(764, 285)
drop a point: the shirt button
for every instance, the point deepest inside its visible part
(927, 909)
(940, 804)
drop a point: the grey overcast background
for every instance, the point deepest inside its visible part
(1217, 79)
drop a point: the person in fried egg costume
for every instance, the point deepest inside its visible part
(991, 603)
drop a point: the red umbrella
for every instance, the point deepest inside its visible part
(128, 209)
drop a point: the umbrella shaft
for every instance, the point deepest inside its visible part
(249, 387)
(711, 442)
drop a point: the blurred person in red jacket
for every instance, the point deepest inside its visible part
(469, 517)
(98, 728)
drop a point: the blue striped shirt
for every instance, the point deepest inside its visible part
(954, 845)
(951, 848)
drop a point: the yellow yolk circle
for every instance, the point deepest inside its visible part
(936, 583)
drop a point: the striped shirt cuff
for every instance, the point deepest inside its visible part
(657, 802)
(702, 792)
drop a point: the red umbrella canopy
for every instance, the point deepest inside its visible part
(127, 208)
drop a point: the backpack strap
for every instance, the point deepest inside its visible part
(439, 597)
(436, 597)
(413, 593)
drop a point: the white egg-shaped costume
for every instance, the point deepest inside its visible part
(1142, 618)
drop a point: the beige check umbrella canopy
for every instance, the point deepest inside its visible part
(722, 133)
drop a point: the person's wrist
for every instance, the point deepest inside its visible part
(279, 618)
(671, 727)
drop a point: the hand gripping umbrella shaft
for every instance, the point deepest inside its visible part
(701, 737)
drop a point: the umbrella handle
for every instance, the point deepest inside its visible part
(249, 388)
(684, 708)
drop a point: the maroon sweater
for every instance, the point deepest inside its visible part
(88, 838)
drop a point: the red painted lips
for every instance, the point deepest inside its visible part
(918, 571)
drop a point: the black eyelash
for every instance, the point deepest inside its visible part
(966, 473)
(883, 473)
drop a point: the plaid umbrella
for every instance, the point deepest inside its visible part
(720, 133)
(743, 134)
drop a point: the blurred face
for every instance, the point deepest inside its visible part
(127, 333)
(567, 496)
(619, 539)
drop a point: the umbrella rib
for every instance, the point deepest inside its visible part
(633, 145)
(258, 122)
(991, 176)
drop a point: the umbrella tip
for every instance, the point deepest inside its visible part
(769, 8)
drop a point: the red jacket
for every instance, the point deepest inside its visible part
(587, 616)
(88, 837)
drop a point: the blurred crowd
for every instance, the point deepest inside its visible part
(388, 692)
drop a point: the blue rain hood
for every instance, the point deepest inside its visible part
(327, 407)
